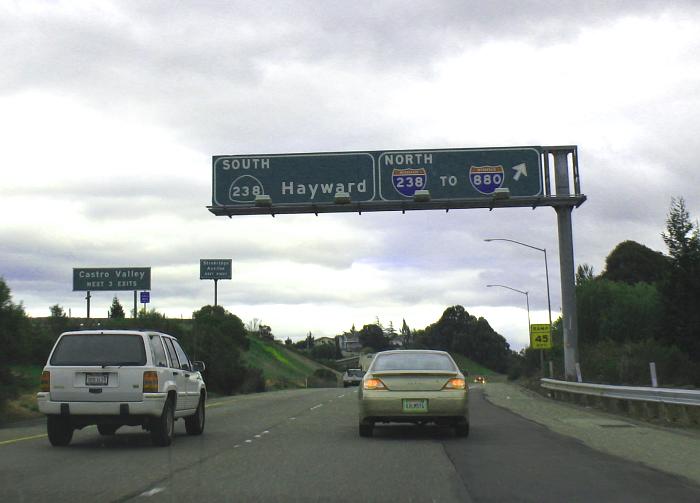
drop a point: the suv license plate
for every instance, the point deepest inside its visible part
(415, 405)
(96, 379)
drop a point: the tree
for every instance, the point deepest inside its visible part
(405, 334)
(13, 331)
(618, 311)
(220, 338)
(680, 288)
(390, 331)
(458, 331)
(632, 263)
(57, 311)
(584, 273)
(372, 336)
(116, 310)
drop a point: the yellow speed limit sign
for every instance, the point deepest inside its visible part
(540, 336)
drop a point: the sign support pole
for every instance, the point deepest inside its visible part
(566, 267)
(87, 298)
(216, 292)
(135, 304)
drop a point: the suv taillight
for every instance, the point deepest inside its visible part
(45, 381)
(150, 381)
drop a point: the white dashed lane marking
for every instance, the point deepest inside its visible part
(316, 406)
(152, 492)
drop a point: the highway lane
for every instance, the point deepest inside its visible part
(302, 445)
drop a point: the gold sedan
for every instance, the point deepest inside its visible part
(414, 386)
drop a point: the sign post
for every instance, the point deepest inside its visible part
(145, 299)
(215, 269)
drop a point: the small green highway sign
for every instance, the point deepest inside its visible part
(540, 336)
(111, 278)
(388, 180)
(215, 268)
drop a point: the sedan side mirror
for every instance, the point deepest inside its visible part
(198, 366)
(464, 372)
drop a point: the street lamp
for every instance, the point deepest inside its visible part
(546, 270)
(527, 302)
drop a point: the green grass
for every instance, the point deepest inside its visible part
(282, 367)
(472, 367)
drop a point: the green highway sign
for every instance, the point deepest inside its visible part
(111, 278)
(293, 179)
(215, 268)
(460, 173)
(391, 180)
(540, 336)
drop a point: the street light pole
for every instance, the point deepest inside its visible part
(546, 272)
(527, 302)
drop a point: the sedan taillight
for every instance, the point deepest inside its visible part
(373, 384)
(456, 383)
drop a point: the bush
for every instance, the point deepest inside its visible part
(610, 362)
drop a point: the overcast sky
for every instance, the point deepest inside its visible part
(110, 113)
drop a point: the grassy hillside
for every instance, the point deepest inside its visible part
(283, 368)
(472, 367)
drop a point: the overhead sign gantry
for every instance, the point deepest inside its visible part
(390, 180)
(400, 180)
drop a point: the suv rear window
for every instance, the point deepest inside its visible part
(99, 349)
(413, 361)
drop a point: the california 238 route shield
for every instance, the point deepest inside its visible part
(460, 173)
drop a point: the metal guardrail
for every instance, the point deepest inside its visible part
(638, 393)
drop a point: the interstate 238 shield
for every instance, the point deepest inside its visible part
(408, 181)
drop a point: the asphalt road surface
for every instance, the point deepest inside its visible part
(303, 445)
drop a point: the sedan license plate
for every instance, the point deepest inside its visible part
(420, 405)
(96, 379)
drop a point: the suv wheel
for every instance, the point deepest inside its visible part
(59, 429)
(366, 429)
(195, 423)
(107, 429)
(163, 428)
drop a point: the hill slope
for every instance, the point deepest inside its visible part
(283, 367)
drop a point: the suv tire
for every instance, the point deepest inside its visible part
(366, 429)
(195, 423)
(59, 429)
(163, 428)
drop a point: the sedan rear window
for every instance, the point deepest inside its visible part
(95, 349)
(413, 361)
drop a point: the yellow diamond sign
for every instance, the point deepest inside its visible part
(540, 336)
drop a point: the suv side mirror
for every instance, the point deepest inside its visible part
(198, 366)
(464, 372)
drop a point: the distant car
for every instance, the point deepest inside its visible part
(413, 386)
(352, 377)
(480, 379)
(113, 378)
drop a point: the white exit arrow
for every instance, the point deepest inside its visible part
(520, 170)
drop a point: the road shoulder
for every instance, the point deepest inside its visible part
(670, 450)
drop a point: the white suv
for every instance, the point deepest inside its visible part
(114, 378)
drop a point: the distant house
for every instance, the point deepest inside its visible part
(396, 342)
(324, 340)
(350, 342)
